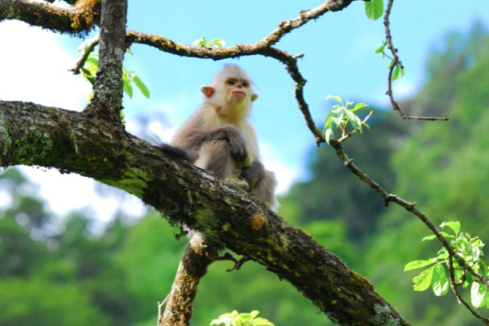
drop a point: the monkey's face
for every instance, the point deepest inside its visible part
(237, 89)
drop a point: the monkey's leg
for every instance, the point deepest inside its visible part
(215, 157)
(262, 183)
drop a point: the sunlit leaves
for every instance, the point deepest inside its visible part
(398, 70)
(439, 281)
(454, 225)
(419, 263)
(341, 116)
(90, 69)
(374, 9)
(423, 280)
(241, 319)
(470, 250)
(202, 42)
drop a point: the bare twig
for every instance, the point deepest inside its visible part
(396, 61)
(160, 306)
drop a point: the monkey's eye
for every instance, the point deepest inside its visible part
(245, 84)
(231, 82)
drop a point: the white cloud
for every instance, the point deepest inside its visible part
(286, 175)
(67, 192)
(35, 68)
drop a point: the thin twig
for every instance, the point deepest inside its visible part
(84, 54)
(454, 286)
(396, 61)
(411, 207)
(160, 305)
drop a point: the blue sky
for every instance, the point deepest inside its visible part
(339, 59)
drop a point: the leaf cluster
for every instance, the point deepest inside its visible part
(469, 249)
(241, 319)
(90, 68)
(340, 116)
(202, 42)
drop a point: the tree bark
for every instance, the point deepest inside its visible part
(192, 268)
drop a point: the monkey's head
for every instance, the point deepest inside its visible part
(231, 91)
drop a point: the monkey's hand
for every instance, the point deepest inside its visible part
(253, 173)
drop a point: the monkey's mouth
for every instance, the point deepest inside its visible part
(240, 94)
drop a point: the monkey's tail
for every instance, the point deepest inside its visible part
(174, 151)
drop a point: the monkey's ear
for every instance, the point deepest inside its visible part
(254, 97)
(207, 90)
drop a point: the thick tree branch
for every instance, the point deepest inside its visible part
(79, 19)
(192, 268)
(35, 135)
(108, 88)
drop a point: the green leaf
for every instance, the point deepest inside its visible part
(440, 281)
(351, 116)
(423, 280)
(419, 263)
(374, 9)
(218, 42)
(483, 268)
(262, 322)
(358, 107)
(381, 48)
(477, 294)
(337, 98)
(200, 42)
(337, 118)
(395, 74)
(454, 225)
(140, 85)
(431, 237)
(328, 134)
(127, 87)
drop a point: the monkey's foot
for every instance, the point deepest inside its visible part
(227, 256)
(238, 182)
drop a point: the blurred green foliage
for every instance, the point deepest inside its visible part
(60, 273)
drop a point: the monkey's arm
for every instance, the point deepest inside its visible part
(196, 138)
